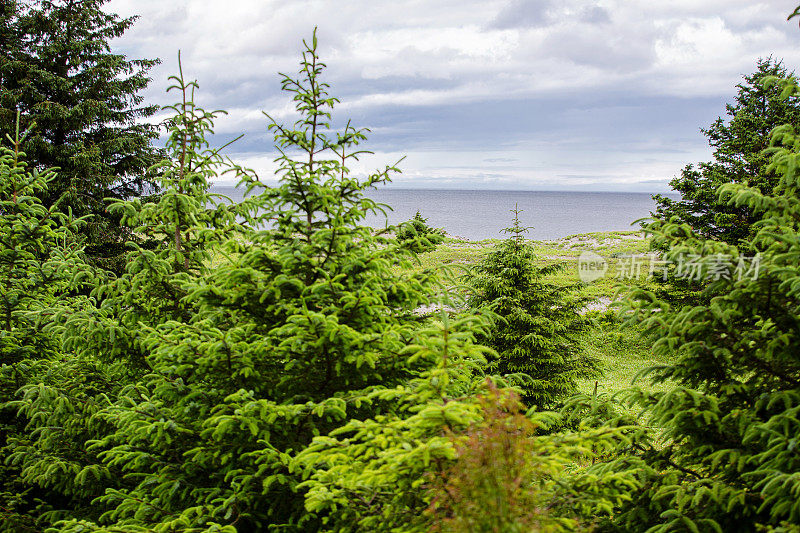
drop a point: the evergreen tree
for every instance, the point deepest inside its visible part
(538, 321)
(418, 236)
(739, 142)
(728, 457)
(454, 442)
(289, 335)
(180, 229)
(40, 261)
(57, 68)
(101, 352)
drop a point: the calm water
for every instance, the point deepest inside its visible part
(477, 215)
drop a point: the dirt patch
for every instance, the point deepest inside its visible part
(601, 304)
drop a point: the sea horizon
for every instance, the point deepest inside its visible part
(479, 214)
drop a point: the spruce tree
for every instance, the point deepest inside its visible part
(418, 235)
(289, 333)
(58, 69)
(41, 267)
(176, 234)
(100, 354)
(728, 458)
(739, 141)
(537, 321)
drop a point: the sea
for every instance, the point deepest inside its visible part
(483, 214)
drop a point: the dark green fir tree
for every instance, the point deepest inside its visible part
(57, 68)
(739, 141)
(537, 321)
(729, 391)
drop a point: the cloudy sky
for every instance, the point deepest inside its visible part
(489, 94)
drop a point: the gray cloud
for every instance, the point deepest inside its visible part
(521, 14)
(595, 15)
(479, 93)
(595, 46)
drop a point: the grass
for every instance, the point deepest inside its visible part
(614, 247)
(622, 350)
(623, 353)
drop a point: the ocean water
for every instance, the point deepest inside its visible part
(482, 214)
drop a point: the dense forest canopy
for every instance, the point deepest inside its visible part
(277, 365)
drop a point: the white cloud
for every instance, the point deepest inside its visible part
(425, 56)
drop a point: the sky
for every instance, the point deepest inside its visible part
(605, 95)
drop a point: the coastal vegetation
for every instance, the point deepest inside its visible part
(277, 365)
(538, 322)
(418, 235)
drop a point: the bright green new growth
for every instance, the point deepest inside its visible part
(728, 456)
(41, 269)
(537, 322)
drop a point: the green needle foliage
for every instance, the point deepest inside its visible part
(180, 228)
(418, 236)
(302, 327)
(268, 367)
(739, 142)
(58, 70)
(535, 333)
(448, 443)
(728, 456)
(40, 267)
(30, 235)
(103, 355)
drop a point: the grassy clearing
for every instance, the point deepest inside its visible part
(615, 247)
(622, 350)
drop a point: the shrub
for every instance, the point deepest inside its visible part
(418, 236)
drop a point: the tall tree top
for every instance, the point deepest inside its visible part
(58, 69)
(739, 140)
